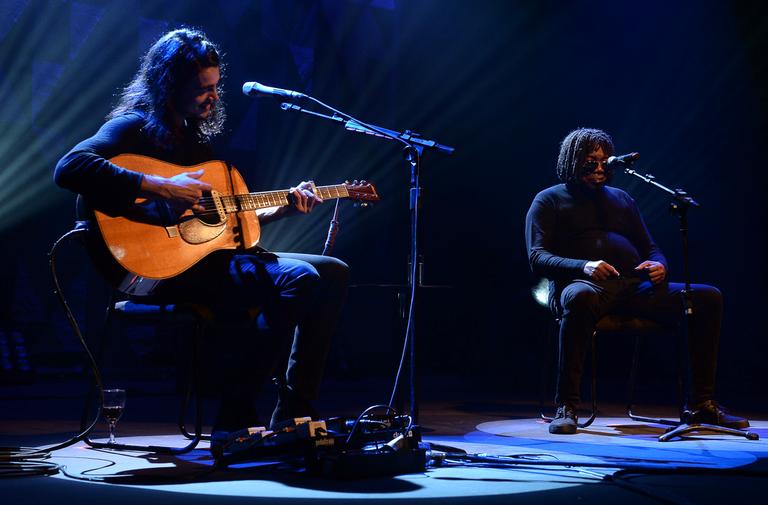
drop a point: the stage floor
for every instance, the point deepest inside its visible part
(705, 468)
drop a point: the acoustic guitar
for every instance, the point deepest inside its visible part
(152, 240)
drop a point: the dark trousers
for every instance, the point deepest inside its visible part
(299, 299)
(582, 303)
(312, 337)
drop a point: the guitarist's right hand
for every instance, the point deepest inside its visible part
(180, 191)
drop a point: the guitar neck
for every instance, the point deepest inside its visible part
(279, 198)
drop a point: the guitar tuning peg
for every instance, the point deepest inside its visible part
(346, 181)
(363, 182)
(354, 182)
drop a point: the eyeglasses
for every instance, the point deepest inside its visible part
(590, 166)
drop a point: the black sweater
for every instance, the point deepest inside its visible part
(568, 225)
(105, 186)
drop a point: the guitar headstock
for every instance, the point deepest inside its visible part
(362, 191)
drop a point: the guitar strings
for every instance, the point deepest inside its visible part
(331, 191)
(262, 200)
(272, 198)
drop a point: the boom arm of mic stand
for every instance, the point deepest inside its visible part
(377, 131)
(293, 107)
(679, 206)
(679, 195)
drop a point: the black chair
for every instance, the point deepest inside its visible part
(610, 324)
(192, 319)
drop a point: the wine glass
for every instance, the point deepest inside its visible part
(112, 407)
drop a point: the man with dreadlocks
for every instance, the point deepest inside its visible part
(590, 241)
(170, 111)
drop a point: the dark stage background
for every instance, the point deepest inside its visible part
(683, 83)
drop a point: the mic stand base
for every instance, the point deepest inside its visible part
(685, 429)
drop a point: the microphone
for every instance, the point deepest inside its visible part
(257, 89)
(623, 160)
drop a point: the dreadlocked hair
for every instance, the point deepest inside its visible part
(574, 150)
(170, 63)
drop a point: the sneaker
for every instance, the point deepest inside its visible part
(711, 412)
(565, 421)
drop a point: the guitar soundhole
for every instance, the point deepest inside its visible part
(209, 215)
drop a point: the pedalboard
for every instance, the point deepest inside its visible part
(335, 448)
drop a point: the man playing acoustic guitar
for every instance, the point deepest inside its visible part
(169, 112)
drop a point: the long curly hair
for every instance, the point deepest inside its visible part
(170, 63)
(574, 150)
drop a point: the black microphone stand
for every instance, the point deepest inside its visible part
(679, 206)
(414, 146)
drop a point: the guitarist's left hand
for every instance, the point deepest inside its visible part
(304, 199)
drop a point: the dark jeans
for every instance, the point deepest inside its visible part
(582, 303)
(299, 299)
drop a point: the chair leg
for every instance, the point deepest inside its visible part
(90, 395)
(193, 385)
(549, 342)
(158, 448)
(154, 448)
(633, 378)
(593, 387)
(194, 439)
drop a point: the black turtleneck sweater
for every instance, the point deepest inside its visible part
(107, 187)
(568, 225)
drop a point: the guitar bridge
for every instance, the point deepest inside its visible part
(223, 206)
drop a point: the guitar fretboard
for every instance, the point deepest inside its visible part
(279, 198)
